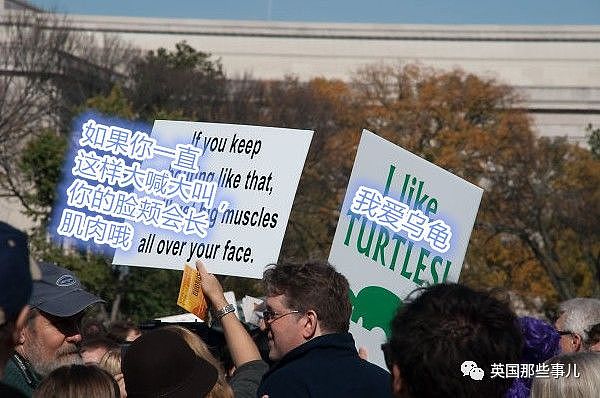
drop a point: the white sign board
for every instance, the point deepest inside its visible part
(405, 223)
(227, 201)
(251, 308)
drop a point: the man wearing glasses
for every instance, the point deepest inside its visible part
(51, 336)
(307, 320)
(576, 318)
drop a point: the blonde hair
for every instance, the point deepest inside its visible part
(588, 367)
(111, 361)
(221, 388)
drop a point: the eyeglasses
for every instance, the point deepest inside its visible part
(387, 355)
(271, 316)
(565, 332)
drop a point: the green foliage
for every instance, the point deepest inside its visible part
(40, 163)
(151, 293)
(242, 286)
(594, 141)
(184, 81)
(184, 58)
(114, 104)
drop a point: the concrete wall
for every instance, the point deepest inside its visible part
(556, 68)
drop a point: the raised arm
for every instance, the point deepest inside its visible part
(241, 346)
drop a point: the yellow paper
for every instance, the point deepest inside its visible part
(191, 297)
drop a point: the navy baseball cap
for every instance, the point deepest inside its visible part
(60, 293)
(15, 276)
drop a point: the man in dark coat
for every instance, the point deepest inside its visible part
(307, 320)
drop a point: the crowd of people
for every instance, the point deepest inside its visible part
(448, 340)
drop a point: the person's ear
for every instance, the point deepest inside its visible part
(21, 322)
(310, 325)
(577, 342)
(396, 380)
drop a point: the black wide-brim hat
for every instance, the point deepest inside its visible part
(161, 364)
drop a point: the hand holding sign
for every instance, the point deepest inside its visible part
(241, 346)
(211, 287)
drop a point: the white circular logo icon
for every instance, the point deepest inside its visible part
(65, 280)
(470, 368)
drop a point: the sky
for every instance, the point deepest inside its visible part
(503, 12)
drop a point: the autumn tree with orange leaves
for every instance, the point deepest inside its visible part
(325, 106)
(537, 231)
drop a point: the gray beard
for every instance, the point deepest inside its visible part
(64, 357)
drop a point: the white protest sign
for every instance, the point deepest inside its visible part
(250, 307)
(405, 223)
(224, 192)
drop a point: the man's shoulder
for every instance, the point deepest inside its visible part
(15, 377)
(12, 373)
(373, 370)
(332, 351)
(284, 381)
(321, 371)
(332, 378)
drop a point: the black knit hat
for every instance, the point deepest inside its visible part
(161, 364)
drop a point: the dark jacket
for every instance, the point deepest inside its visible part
(20, 375)
(7, 391)
(327, 366)
(246, 378)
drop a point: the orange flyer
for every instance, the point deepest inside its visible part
(191, 297)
